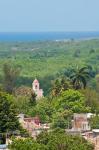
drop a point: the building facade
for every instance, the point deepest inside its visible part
(80, 122)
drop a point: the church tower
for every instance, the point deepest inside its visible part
(36, 89)
(35, 85)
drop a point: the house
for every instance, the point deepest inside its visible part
(36, 89)
(80, 122)
(32, 125)
(29, 123)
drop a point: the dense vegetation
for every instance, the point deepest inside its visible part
(58, 111)
(62, 67)
(54, 140)
(69, 74)
(8, 116)
(47, 60)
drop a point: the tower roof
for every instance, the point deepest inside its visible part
(35, 81)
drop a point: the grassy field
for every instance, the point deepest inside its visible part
(46, 59)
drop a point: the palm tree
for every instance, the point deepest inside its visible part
(79, 77)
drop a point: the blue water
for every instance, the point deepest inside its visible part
(44, 36)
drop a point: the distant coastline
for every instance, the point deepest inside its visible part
(46, 36)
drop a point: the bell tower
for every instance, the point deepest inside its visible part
(35, 85)
(36, 89)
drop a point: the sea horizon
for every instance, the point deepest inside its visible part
(47, 36)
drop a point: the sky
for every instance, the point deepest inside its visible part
(49, 15)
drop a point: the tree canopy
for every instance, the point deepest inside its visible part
(54, 140)
(8, 115)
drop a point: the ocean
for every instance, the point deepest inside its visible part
(46, 36)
